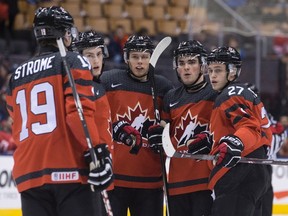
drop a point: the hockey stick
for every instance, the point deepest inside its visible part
(82, 119)
(171, 152)
(161, 46)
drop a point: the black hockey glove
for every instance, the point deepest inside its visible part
(101, 174)
(229, 151)
(155, 137)
(200, 143)
(125, 133)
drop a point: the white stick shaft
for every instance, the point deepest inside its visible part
(161, 46)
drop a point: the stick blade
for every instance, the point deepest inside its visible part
(161, 46)
(166, 141)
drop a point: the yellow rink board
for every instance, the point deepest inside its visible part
(277, 209)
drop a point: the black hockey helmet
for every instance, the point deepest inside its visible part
(228, 56)
(90, 39)
(190, 47)
(52, 22)
(138, 43)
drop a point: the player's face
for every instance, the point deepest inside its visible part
(217, 75)
(188, 69)
(139, 64)
(67, 38)
(95, 57)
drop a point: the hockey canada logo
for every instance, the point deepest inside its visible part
(138, 118)
(187, 128)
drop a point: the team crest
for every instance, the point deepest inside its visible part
(138, 118)
(187, 128)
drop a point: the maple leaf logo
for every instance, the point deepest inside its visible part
(187, 128)
(138, 118)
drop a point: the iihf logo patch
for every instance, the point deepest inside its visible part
(65, 176)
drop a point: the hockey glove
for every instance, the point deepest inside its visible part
(229, 151)
(125, 133)
(101, 174)
(200, 143)
(155, 137)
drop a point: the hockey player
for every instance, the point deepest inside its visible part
(138, 177)
(237, 123)
(52, 158)
(91, 45)
(188, 110)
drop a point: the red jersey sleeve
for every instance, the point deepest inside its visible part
(85, 89)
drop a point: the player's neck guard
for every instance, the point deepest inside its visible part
(196, 87)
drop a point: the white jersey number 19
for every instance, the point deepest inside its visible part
(36, 108)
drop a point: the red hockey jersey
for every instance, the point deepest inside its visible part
(188, 114)
(47, 129)
(131, 100)
(240, 112)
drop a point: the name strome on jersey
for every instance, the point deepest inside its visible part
(32, 67)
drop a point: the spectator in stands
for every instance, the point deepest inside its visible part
(233, 41)
(4, 77)
(7, 143)
(206, 37)
(13, 11)
(116, 45)
(4, 14)
(284, 121)
(3, 74)
(7, 24)
(280, 43)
